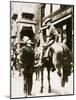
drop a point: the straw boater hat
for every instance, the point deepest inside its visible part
(27, 40)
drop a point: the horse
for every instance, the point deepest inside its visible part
(14, 62)
(59, 58)
(27, 63)
(36, 62)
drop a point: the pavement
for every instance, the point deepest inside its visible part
(56, 89)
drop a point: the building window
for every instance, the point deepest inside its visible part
(47, 10)
(63, 6)
(55, 8)
(42, 10)
(14, 17)
(27, 16)
(50, 8)
(64, 34)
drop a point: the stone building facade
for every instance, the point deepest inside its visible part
(24, 19)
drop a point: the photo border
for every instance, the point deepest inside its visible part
(72, 45)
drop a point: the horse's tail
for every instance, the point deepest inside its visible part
(50, 54)
(67, 60)
(67, 53)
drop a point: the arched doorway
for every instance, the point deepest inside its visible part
(27, 31)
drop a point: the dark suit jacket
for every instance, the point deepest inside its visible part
(27, 59)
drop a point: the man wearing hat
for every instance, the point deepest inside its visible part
(27, 60)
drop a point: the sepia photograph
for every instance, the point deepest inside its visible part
(41, 49)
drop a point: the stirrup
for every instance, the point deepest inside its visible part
(53, 69)
(59, 73)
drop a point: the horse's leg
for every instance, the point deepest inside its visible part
(41, 91)
(38, 74)
(58, 67)
(62, 81)
(49, 86)
(63, 78)
(19, 71)
(13, 70)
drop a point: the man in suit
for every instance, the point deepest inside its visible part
(27, 62)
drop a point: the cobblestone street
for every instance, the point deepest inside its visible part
(17, 85)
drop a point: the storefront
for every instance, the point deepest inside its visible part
(63, 21)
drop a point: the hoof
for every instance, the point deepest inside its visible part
(66, 79)
(41, 91)
(35, 79)
(13, 73)
(59, 73)
(49, 91)
(63, 83)
(25, 94)
(29, 93)
(19, 74)
(53, 69)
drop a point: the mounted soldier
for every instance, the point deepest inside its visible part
(51, 37)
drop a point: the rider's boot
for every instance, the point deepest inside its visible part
(59, 72)
(53, 69)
